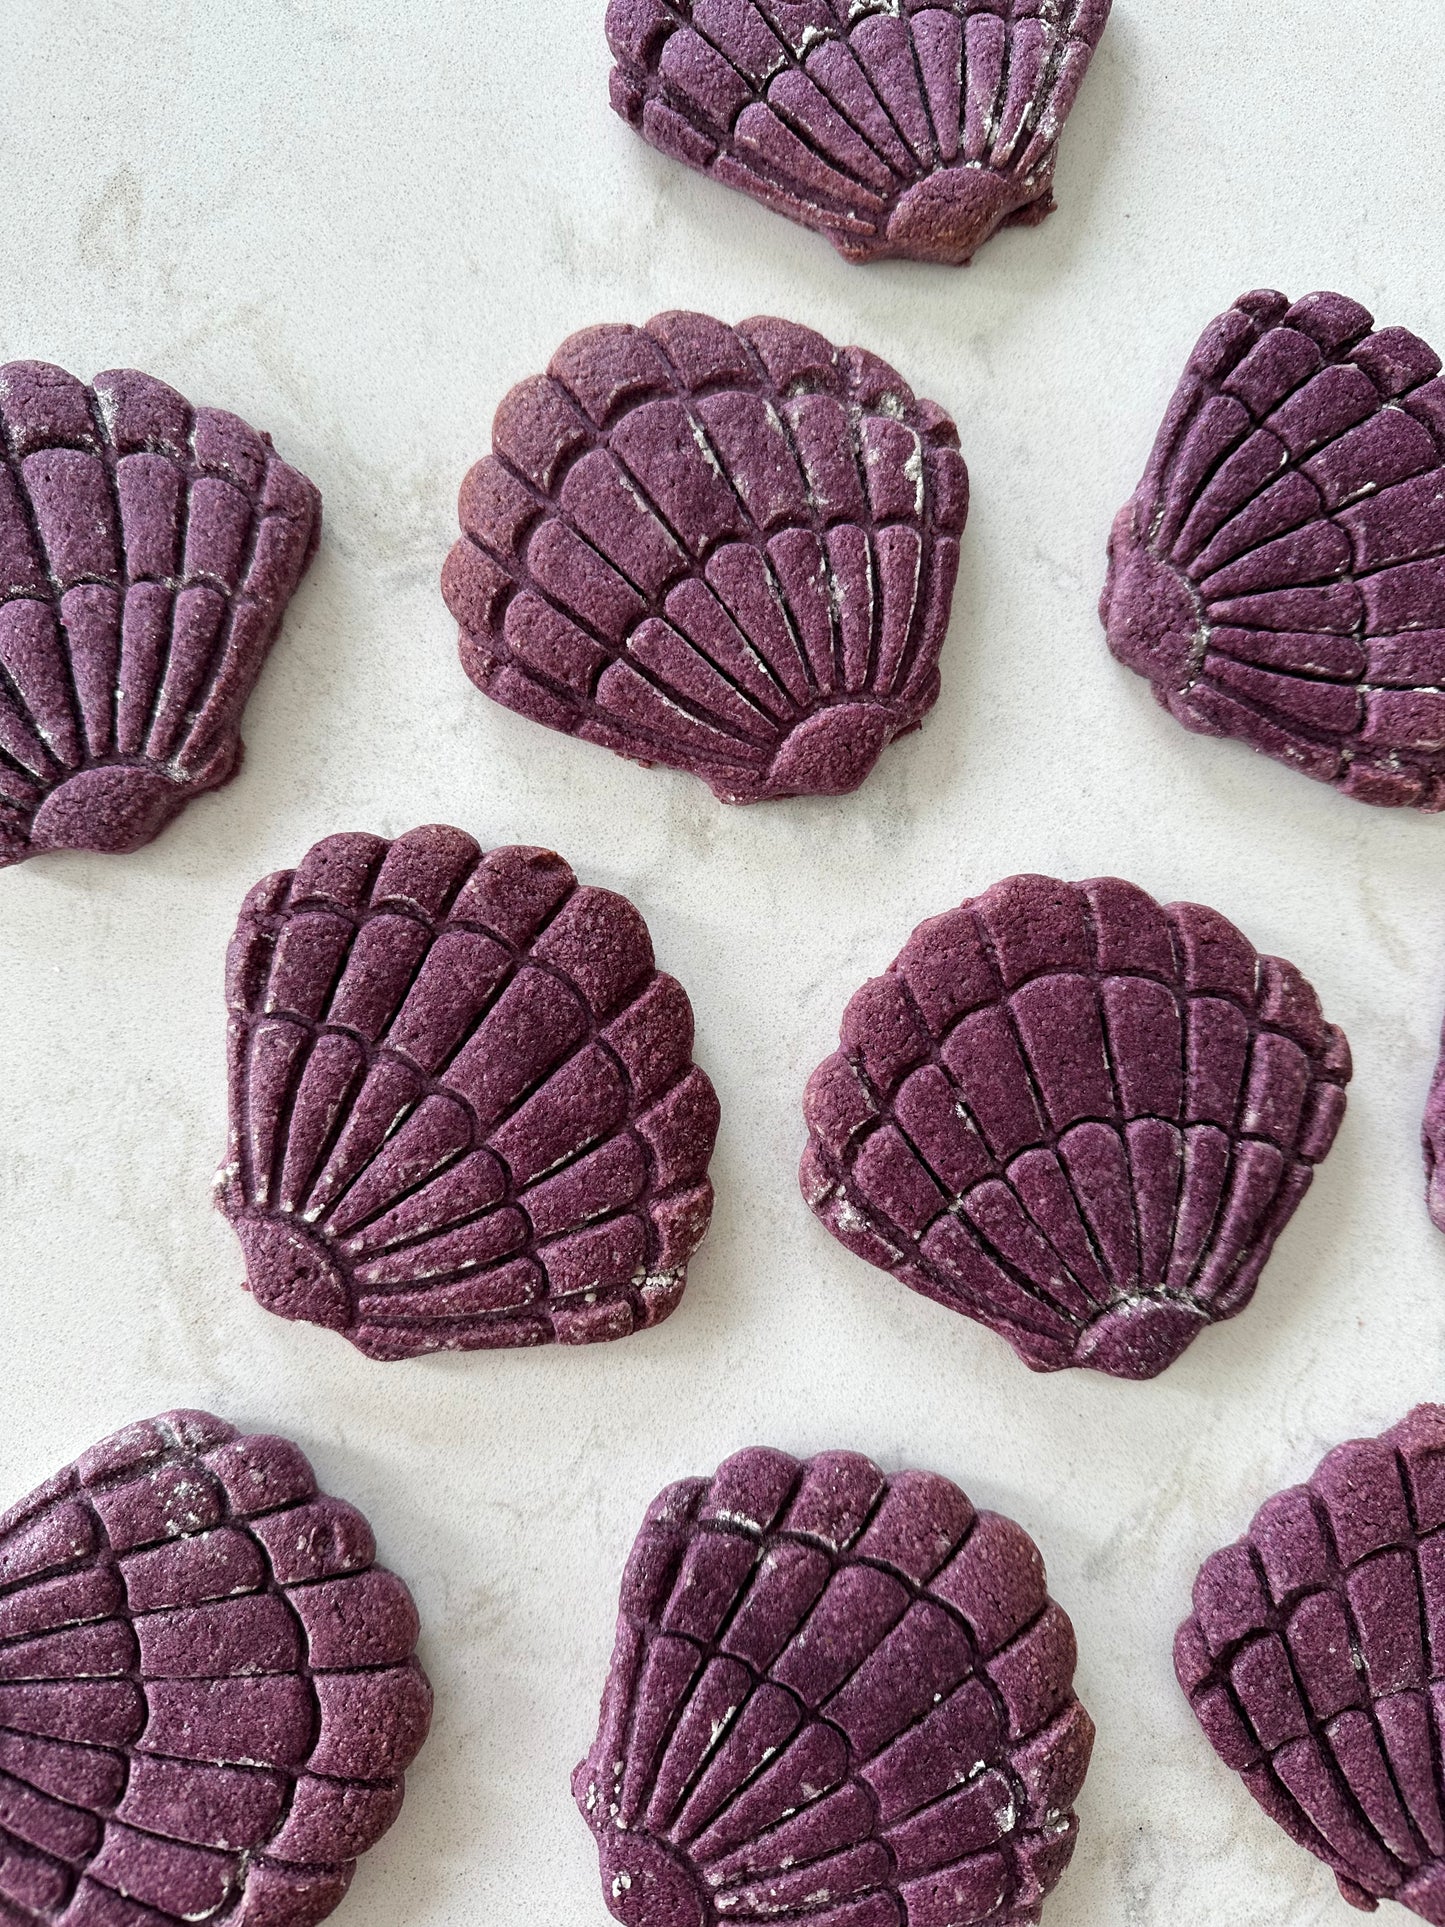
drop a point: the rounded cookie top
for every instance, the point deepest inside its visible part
(464, 1111)
(1314, 1661)
(728, 550)
(1279, 575)
(148, 551)
(1076, 1115)
(838, 1696)
(208, 1691)
(894, 127)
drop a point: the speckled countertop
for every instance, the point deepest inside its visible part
(359, 224)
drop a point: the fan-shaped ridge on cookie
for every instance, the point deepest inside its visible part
(1314, 1660)
(893, 127)
(1076, 1115)
(208, 1689)
(728, 550)
(464, 1111)
(148, 550)
(837, 1698)
(1432, 1142)
(1279, 575)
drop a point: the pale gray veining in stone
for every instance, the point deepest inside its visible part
(359, 223)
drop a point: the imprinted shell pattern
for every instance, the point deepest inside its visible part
(727, 550)
(1279, 575)
(208, 1694)
(838, 1699)
(893, 127)
(1076, 1115)
(464, 1111)
(148, 551)
(1315, 1662)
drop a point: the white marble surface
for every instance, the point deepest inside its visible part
(358, 223)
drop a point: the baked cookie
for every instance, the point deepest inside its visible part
(730, 550)
(1433, 1142)
(836, 1698)
(1279, 575)
(208, 1694)
(464, 1111)
(893, 127)
(1315, 1663)
(1079, 1116)
(148, 550)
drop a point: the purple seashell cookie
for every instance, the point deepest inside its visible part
(1076, 1115)
(1433, 1141)
(1315, 1662)
(1279, 575)
(893, 127)
(148, 550)
(208, 1694)
(464, 1111)
(729, 550)
(835, 1698)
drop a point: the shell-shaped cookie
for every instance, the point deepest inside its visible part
(1433, 1141)
(1315, 1662)
(1076, 1115)
(893, 127)
(729, 550)
(208, 1694)
(464, 1111)
(1279, 575)
(148, 550)
(835, 1698)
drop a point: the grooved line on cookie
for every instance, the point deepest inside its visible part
(435, 1083)
(1034, 119)
(1208, 388)
(654, 605)
(709, 1649)
(187, 747)
(745, 752)
(905, 1244)
(8, 686)
(1275, 1621)
(78, 1491)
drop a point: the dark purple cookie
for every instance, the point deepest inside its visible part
(1433, 1141)
(730, 550)
(893, 127)
(1315, 1661)
(208, 1695)
(835, 1698)
(147, 554)
(1279, 575)
(1077, 1116)
(464, 1111)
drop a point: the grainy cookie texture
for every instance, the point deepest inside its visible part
(1279, 575)
(208, 1694)
(148, 551)
(1315, 1662)
(464, 1110)
(836, 1698)
(730, 550)
(1433, 1141)
(1079, 1116)
(894, 127)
